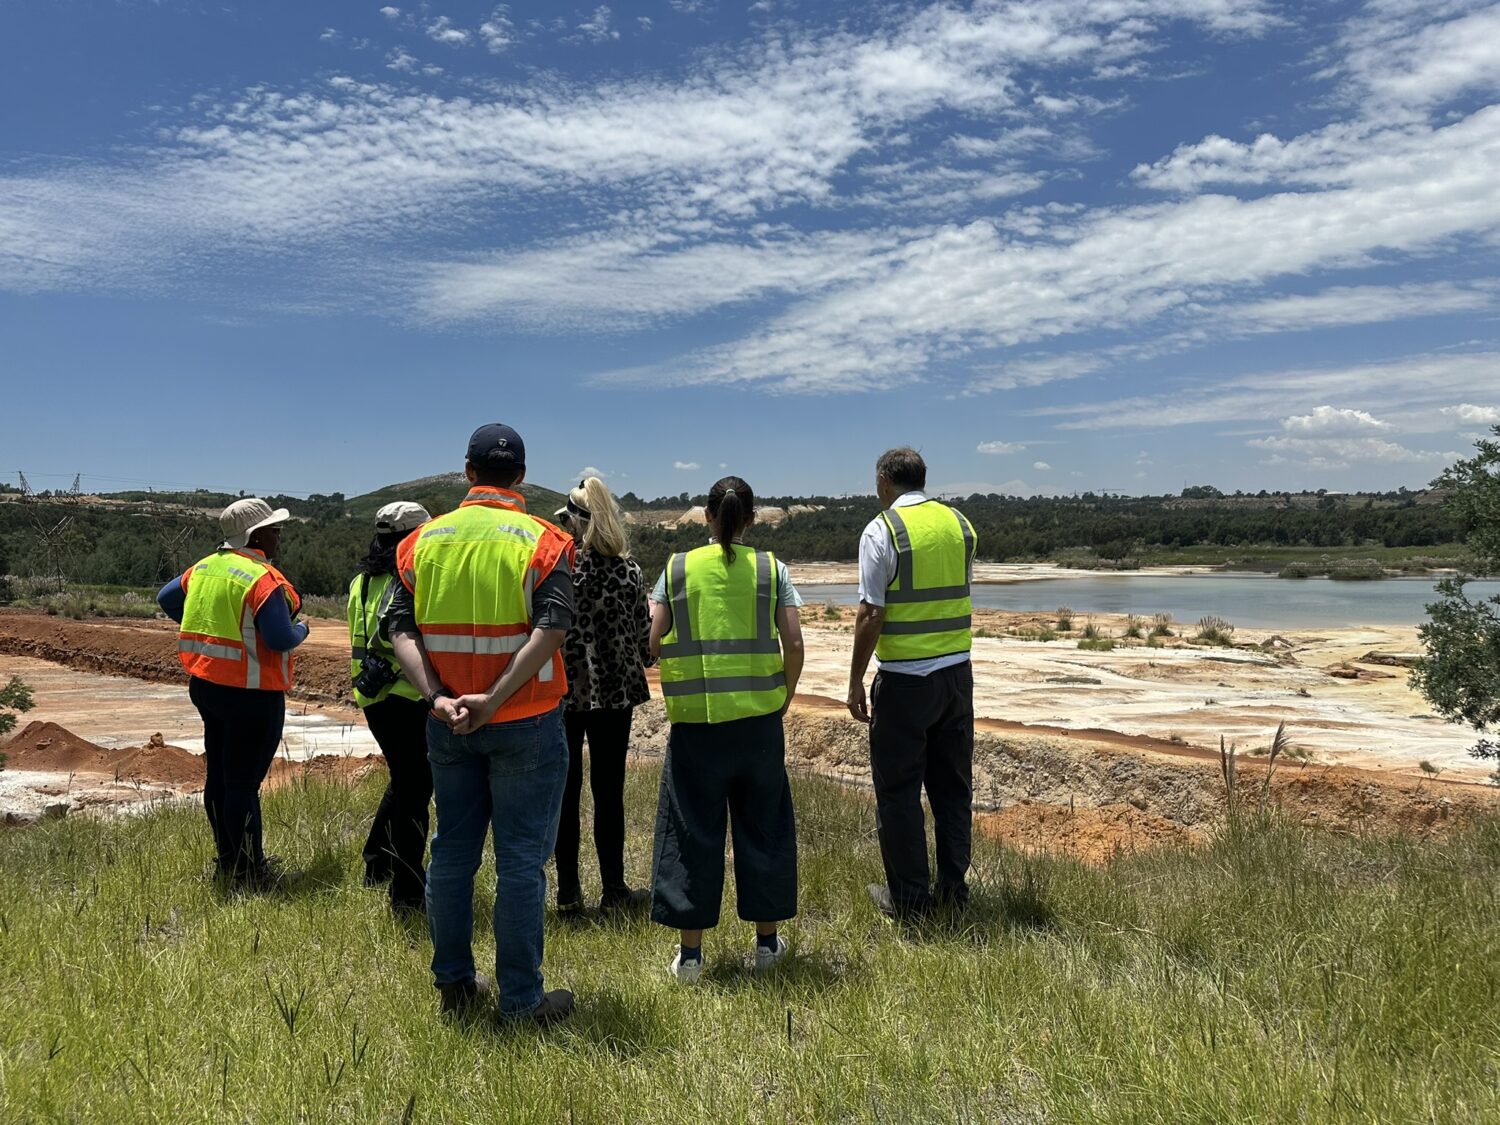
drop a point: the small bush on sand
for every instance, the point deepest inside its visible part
(1133, 627)
(831, 611)
(1214, 631)
(1064, 619)
(1295, 570)
(1097, 644)
(1091, 631)
(1161, 625)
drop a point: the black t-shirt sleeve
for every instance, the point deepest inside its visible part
(400, 613)
(552, 600)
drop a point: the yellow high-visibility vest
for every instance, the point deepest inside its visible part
(928, 611)
(369, 595)
(217, 640)
(721, 660)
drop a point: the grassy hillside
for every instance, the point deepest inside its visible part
(444, 491)
(1277, 975)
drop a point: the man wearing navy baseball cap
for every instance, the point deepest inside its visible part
(478, 623)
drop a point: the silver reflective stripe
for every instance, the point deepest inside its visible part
(903, 558)
(207, 648)
(682, 623)
(479, 646)
(247, 634)
(968, 532)
(530, 584)
(724, 685)
(545, 675)
(941, 625)
(763, 643)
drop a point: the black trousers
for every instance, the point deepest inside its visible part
(241, 731)
(608, 733)
(398, 838)
(922, 735)
(713, 771)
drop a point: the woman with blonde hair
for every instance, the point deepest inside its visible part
(606, 654)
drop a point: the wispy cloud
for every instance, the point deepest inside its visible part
(443, 30)
(686, 466)
(1001, 448)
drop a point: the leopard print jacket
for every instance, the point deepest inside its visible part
(609, 645)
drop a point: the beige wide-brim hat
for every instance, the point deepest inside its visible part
(245, 517)
(401, 515)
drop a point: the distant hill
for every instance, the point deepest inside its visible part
(444, 491)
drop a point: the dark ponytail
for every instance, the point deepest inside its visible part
(731, 509)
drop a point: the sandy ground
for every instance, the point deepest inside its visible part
(1189, 694)
(1086, 753)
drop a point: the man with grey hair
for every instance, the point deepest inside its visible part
(915, 568)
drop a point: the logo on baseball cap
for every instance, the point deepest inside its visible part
(497, 444)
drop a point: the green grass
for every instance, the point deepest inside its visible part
(1275, 975)
(1318, 559)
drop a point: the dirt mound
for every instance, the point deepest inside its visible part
(147, 650)
(325, 767)
(160, 764)
(47, 746)
(55, 749)
(1094, 835)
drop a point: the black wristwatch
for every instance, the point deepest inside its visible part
(441, 693)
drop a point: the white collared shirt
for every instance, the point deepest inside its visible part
(877, 570)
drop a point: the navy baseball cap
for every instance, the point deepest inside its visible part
(497, 444)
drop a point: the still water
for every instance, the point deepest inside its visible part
(1252, 600)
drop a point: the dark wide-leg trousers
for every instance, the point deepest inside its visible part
(713, 772)
(241, 731)
(608, 733)
(922, 735)
(397, 842)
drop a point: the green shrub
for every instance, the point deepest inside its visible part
(1161, 625)
(1090, 630)
(1064, 619)
(1357, 572)
(1096, 644)
(1133, 627)
(1295, 570)
(1214, 630)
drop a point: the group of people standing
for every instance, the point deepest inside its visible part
(489, 646)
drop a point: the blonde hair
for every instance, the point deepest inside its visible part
(604, 530)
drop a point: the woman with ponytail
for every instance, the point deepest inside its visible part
(724, 623)
(606, 653)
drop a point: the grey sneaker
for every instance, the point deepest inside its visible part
(685, 972)
(463, 996)
(552, 1007)
(769, 958)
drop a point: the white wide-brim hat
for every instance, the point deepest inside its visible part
(401, 515)
(245, 517)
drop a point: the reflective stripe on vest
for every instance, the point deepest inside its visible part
(367, 604)
(217, 640)
(721, 660)
(928, 611)
(472, 574)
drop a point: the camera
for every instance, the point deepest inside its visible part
(375, 675)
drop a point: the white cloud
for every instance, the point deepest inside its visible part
(443, 30)
(1350, 305)
(1412, 383)
(686, 466)
(498, 32)
(1000, 448)
(597, 28)
(330, 34)
(1331, 453)
(390, 13)
(1472, 415)
(1331, 420)
(591, 471)
(403, 61)
(644, 23)
(1041, 466)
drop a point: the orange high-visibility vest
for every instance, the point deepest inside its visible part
(472, 573)
(217, 640)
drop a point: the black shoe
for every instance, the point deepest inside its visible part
(952, 898)
(376, 876)
(569, 900)
(462, 997)
(265, 876)
(553, 1007)
(624, 900)
(409, 909)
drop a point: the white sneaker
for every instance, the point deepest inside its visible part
(685, 972)
(768, 958)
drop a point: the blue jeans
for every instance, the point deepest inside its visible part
(509, 777)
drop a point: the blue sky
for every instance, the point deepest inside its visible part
(1055, 244)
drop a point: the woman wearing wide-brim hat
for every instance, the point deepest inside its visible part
(396, 714)
(236, 634)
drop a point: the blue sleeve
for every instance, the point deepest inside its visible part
(172, 599)
(274, 624)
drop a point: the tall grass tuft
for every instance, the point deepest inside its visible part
(1133, 627)
(1161, 625)
(1215, 631)
(1064, 619)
